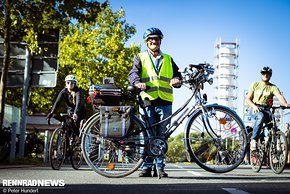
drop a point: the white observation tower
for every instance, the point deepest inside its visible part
(226, 54)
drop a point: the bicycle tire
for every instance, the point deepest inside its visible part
(76, 156)
(257, 157)
(278, 152)
(221, 146)
(57, 148)
(114, 157)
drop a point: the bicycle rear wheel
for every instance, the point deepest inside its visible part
(114, 157)
(257, 157)
(57, 148)
(76, 156)
(216, 139)
(278, 152)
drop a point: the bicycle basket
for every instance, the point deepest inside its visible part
(115, 120)
(105, 95)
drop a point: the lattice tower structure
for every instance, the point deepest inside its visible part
(226, 74)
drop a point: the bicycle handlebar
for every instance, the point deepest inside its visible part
(280, 107)
(61, 117)
(198, 73)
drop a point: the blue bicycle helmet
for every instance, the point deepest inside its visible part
(152, 32)
(266, 70)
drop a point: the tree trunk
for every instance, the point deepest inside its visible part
(6, 60)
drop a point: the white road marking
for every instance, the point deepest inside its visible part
(195, 173)
(189, 171)
(235, 191)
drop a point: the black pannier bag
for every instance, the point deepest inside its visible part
(115, 120)
(104, 95)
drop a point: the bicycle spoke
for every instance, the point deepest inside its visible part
(278, 152)
(217, 143)
(113, 157)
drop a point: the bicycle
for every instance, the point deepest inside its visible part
(65, 142)
(215, 136)
(271, 146)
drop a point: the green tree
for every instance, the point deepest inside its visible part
(33, 18)
(27, 20)
(176, 149)
(92, 51)
(94, 47)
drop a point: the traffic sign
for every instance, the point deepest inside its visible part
(44, 66)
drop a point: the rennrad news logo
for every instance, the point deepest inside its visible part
(32, 183)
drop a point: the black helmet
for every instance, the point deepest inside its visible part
(152, 32)
(266, 70)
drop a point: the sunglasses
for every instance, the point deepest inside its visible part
(70, 82)
(153, 39)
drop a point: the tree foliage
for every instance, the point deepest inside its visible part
(90, 49)
(98, 50)
(33, 18)
(176, 149)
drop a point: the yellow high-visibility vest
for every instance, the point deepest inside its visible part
(159, 84)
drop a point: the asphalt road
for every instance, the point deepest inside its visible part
(183, 178)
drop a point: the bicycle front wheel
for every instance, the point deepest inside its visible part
(114, 157)
(57, 148)
(278, 152)
(76, 156)
(216, 138)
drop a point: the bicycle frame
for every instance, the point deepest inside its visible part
(184, 110)
(272, 124)
(200, 104)
(172, 127)
(68, 134)
(215, 135)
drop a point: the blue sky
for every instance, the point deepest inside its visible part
(191, 28)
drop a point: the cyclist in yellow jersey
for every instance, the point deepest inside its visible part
(157, 70)
(260, 99)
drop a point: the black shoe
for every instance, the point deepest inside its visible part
(145, 173)
(161, 173)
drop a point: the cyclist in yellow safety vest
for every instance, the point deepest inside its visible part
(157, 70)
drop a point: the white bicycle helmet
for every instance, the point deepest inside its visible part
(70, 78)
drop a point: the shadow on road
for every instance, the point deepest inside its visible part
(208, 188)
